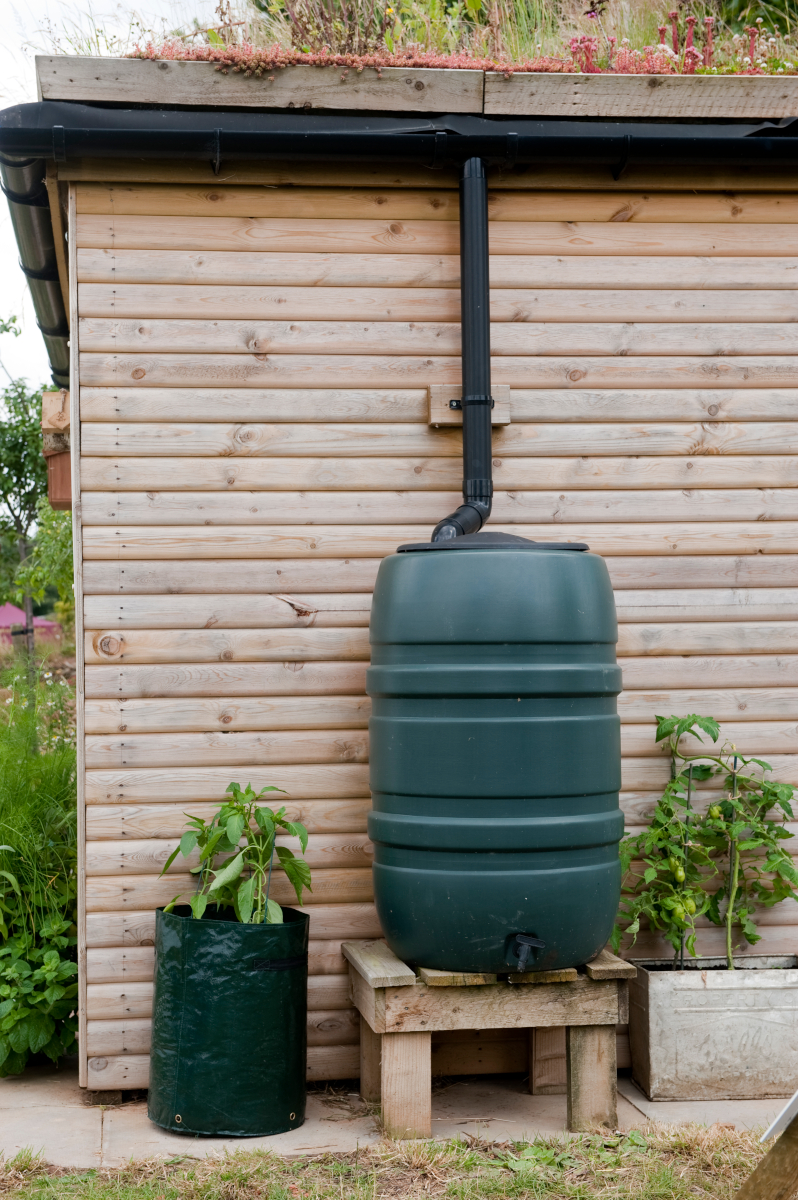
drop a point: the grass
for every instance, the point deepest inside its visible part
(656, 1163)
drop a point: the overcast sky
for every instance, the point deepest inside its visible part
(23, 23)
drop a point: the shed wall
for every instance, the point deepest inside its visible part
(253, 366)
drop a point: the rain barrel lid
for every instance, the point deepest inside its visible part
(491, 540)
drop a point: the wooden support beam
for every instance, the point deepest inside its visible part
(591, 1077)
(406, 1090)
(547, 1070)
(370, 1063)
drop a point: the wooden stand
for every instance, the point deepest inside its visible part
(400, 1011)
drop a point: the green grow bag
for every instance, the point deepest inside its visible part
(229, 1025)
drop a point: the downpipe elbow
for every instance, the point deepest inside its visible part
(468, 518)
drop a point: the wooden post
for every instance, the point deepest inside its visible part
(547, 1073)
(591, 1077)
(370, 1062)
(776, 1176)
(407, 1084)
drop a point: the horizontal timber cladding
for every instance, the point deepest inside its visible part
(260, 369)
(622, 272)
(513, 337)
(254, 364)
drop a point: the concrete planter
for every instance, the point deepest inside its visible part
(707, 1033)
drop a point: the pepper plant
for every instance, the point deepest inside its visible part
(737, 840)
(237, 876)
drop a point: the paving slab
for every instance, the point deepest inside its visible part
(65, 1137)
(499, 1107)
(128, 1133)
(741, 1114)
(44, 1109)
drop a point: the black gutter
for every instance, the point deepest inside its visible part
(476, 401)
(23, 186)
(62, 131)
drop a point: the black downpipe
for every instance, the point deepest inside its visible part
(475, 349)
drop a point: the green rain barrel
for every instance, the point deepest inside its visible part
(495, 754)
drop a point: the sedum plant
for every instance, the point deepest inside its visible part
(235, 875)
(737, 841)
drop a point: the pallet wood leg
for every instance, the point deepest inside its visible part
(370, 1062)
(776, 1176)
(407, 1084)
(547, 1061)
(591, 1077)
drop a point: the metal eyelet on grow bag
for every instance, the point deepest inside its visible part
(179, 1120)
(292, 1116)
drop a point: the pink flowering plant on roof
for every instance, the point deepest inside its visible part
(508, 36)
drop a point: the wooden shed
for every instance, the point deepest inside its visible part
(263, 346)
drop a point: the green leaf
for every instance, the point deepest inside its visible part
(198, 902)
(298, 873)
(235, 829)
(274, 913)
(18, 1035)
(246, 900)
(228, 873)
(265, 820)
(188, 842)
(171, 858)
(12, 879)
(299, 831)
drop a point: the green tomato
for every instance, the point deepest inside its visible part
(715, 812)
(673, 863)
(689, 904)
(678, 874)
(678, 912)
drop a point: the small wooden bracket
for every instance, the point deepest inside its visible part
(440, 395)
(55, 411)
(607, 966)
(378, 964)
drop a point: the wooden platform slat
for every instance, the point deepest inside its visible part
(377, 964)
